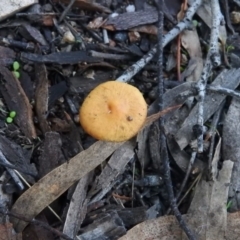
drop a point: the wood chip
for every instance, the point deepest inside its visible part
(17, 100)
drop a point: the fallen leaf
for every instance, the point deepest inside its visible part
(52, 185)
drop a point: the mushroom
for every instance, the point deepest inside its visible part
(113, 111)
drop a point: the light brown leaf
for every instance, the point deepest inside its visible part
(51, 186)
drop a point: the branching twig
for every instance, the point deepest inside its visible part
(163, 142)
(213, 60)
(135, 68)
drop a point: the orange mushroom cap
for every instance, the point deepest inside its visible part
(113, 111)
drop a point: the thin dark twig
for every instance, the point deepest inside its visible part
(36, 223)
(163, 144)
(189, 169)
(66, 10)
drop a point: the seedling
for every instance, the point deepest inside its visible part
(17, 74)
(11, 116)
(16, 67)
(9, 120)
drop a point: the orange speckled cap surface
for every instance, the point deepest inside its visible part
(113, 111)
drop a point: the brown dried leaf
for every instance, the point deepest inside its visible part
(51, 186)
(17, 100)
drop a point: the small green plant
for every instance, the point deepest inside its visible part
(17, 74)
(16, 67)
(229, 204)
(11, 116)
(9, 120)
(229, 48)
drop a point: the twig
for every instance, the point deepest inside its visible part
(13, 43)
(190, 165)
(36, 222)
(135, 68)
(225, 91)
(213, 60)
(66, 10)
(105, 36)
(110, 55)
(163, 142)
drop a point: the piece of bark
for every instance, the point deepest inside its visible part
(83, 85)
(110, 226)
(59, 58)
(51, 156)
(41, 96)
(32, 34)
(17, 100)
(87, 5)
(78, 207)
(27, 84)
(113, 168)
(15, 155)
(133, 216)
(56, 91)
(7, 56)
(129, 20)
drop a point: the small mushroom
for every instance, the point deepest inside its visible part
(113, 111)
